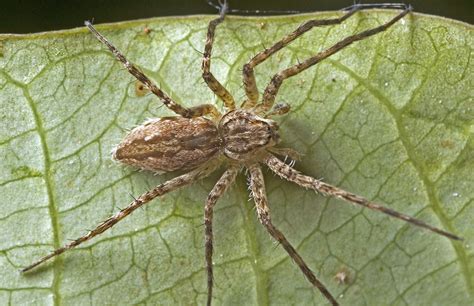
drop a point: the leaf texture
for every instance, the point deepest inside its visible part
(390, 118)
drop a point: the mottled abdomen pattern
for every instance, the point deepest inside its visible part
(170, 143)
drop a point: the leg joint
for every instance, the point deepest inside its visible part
(247, 69)
(207, 76)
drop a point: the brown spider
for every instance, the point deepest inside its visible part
(200, 139)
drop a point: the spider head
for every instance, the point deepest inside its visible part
(246, 135)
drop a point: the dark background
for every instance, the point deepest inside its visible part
(25, 16)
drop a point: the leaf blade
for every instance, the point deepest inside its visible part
(394, 143)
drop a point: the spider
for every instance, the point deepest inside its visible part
(200, 139)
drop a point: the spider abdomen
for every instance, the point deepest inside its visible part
(169, 144)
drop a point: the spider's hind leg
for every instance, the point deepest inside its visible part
(140, 76)
(207, 75)
(146, 197)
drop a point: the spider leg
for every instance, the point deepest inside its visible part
(272, 88)
(219, 188)
(159, 190)
(292, 175)
(257, 186)
(140, 76)
(278, 110)
(250, 84)
(206, 109)
(207, 75)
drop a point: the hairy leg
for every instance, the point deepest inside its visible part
(159, 190)
(208, 77)
(257, 186)
(272, 88)
(206, 109)
(140, 76)
(250, 84)
(287, 172)
(219, 188)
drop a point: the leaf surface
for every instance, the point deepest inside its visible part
(390, 118)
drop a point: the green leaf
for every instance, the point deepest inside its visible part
(390, 118)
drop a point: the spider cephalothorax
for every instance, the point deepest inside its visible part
(246, 135)
(200, 138)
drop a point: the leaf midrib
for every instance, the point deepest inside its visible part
(52, 207)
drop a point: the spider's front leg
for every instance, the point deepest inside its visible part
(272, 88)
(287, 172)
(207, 75)
(159, 190)
(250, 84)
(219, 188)
(259, 195)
